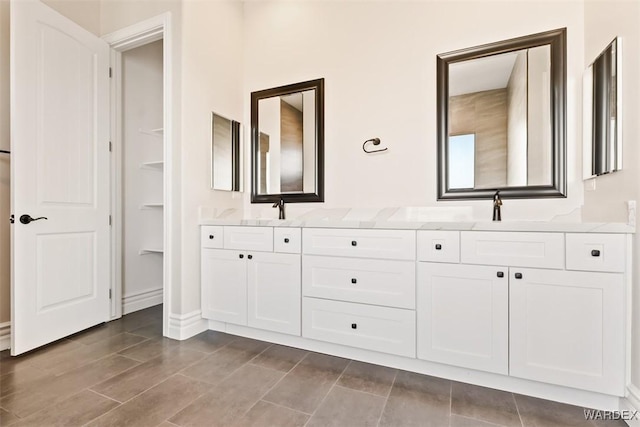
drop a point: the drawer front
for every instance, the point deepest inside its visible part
(596, 252)
(287, 240)
(249, 238)
(515, 249)
(380, 282)
(439, 246)
(211, 236)
(388, 330)
(390, 244)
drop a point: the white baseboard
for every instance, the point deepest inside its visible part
(183, 326)
(5, 336)
(631, 403)
(141, 300)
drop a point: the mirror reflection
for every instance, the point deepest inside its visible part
(499, 120)
(225, 154)
(287, 143)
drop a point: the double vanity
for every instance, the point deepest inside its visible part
(538, 308)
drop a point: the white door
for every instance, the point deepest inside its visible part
(463, 315)
(273, 282)
(59, 170)
(224, 285)
(567, 328)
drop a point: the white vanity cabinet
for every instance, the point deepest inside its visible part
(246, 283)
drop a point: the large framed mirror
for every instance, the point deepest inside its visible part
(287, 140)
(226, 154)
(602, 116)
(502, 119)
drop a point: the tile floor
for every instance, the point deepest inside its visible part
(124, 373)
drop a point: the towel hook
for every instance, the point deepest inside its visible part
(374, 141)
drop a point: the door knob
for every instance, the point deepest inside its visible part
(26, 219)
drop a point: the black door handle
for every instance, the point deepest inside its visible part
(26, 219)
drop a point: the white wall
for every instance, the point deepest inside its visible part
(605, 20)
(379, 62)
(5, 228)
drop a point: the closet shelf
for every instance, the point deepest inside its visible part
(153, 132)
(152, 205)
(147, 251)
(153, 165)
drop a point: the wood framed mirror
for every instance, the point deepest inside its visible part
(287, 140)
(502, 119)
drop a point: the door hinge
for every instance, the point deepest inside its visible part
(110, 72)
(109, 293)
(109, 219)
(110, 146)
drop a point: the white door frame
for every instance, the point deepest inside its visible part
(139, 34)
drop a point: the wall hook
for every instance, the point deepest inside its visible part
(374, 141)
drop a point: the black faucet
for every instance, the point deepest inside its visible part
(497, 202)
(280, 205)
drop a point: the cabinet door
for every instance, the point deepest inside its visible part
(463, 315)
(274, 292)
(567, 328)
(224, 285)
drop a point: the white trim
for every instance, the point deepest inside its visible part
(183, 326)
(5, 336)
(632, 403)
(141, 300)
(150, 30)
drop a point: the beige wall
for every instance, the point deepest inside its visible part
(5, 228)
(517, 164)
(85, 13)
(605, 20)
(485, 115)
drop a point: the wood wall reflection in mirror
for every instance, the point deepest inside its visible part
(501, 119)
(287, 136)
(226, 154)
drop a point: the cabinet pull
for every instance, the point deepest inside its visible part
(354, 281)
(354, 243)
(354, 326)
(250, 256)
(438, 246)
(210, 236)
(595, 252)
(241, 256)
(286, 240)
(500, 274)
(518, 275)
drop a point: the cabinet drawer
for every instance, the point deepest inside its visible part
(211, 236)
(390, 244)
(249, 238)
(596, 252)
(439, 246)
(516, 249)
(388, 330)
(380, 282)
(287, 240)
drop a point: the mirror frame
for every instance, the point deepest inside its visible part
(557, 39)
(318, 196)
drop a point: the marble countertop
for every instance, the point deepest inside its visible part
(534, 226)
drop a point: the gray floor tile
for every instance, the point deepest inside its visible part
(10, 364)
(152, 330)
(98, 333)
(417, 400)
(494, 406)
(76, 410)
(368, 378)
(208, 341)
(150, 349)
(307, 384)
(280, 357)
(460, 421)
(156, 404)
(265, 414)
(128, 384)
(545, 413)
(32, 399)
(230, 400)
(346, 407)
(21, 378)
(7, 418)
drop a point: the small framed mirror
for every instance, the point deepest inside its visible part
(501, 119)
(287, 140)
(602, 116)
(226, 155)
